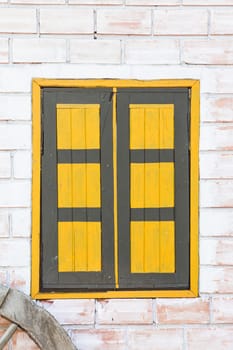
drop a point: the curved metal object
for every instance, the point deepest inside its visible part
(46, 332)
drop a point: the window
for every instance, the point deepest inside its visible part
(115, 188)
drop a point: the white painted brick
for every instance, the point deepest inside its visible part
(96, 339)
(216, 221)
(216, 279)
(217, 80)
(39, 50)
(117, 311)
(67, 21)
(216, 165)
(15, 194)
(20, 278)
(216, 137)
(5, 165)
(14, 253)
(208, 2)
(222, 309)
(124, 21)
(221, 22)
(22, 165)
(3, 50)
(96, 2)
(4, 223)
(213, 338)
(42, 2)
(152, 52)
(15, 136)
(216, 252)
(217, 109)
(21, 222)
(153, 2)
(155, 339)
(17, 20)
(95, 51)
(15, 107)
(72, 311)
(216, 193)
(208, 51)
(180, 22)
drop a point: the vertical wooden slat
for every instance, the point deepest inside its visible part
(137, 190)
(167, 246)
(81, 246)
(92, 127)
(166, 127)
(94, 246)
(166, 184)
(65, 247)
(137, 128)
(137, 238)
(78, 132)
(152, 127)
(152, 247)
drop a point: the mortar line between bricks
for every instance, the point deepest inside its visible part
(209, 23)
(38, 22)
(95, 24)
(211, 310)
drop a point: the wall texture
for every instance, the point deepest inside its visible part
(143, 39)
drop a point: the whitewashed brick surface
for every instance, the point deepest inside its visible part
(124, 21)
(217, 108)
(15, 107)
(180, 22)
(217, 137)
(208, 2)
(216, 193)
(22, 164)
(213, 51)
(153, 2)
(96, 2)
(210, 338)
(15, 136)
(14, 252)
(72, 311)
(217, 80)
(95, 51)
(17, 20)
(4, 51)
(21, 222)
(216, 222)
(152, 52)
(66, 21)
(4, 224)
(5, 165)
(19, 278)
(117, 311)
(222, 309)
(216, 165)
(216, 252)
(216, 279)
(153, 339)
(42, 2)
(39, 50)
(221, 22)
(15, 194)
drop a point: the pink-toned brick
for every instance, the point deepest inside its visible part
(96, 339)
(216, 165)
(217, 109)
(42, 2)
(72, 311)
(216, 279)
(95, 51)
(222, 309)
(216, 252)
(216, 193)
(216, 137)
(208, 2)
(4, 322)
(39, 50)
(66, 21)
(221, 22)
(152, 52)
(210, 338)
(180, 22)
(96, 2)
(209, 52)
(183, 311)
(18, 20)
(22, 341)
(124, 21)
(153, 2)
(117, 311)
(3, 50)
(216, 221)
(155, 339)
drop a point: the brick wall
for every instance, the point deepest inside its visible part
(143, 39)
